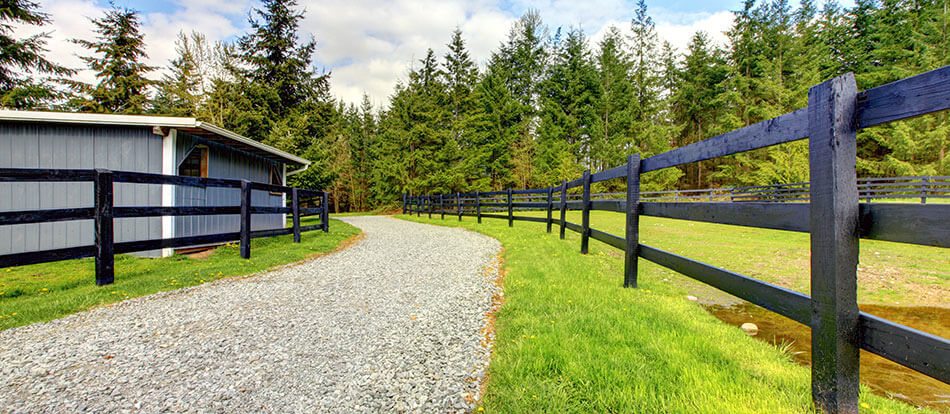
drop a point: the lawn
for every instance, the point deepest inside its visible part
(571, 339)
(47, 291)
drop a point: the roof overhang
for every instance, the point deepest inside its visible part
(189, 125)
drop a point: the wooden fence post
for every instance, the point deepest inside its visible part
(585, 214)
(296, 207)
(326, 212)
(458, 204)
(429, 204)
(105, 252)
(246, 219)
(563, 206)
(403, 203)
(478, 207)
(923, 191)
(511, 219)
(632, 237)
(550, 206)
(832, 147)
(442, 206)
(419, 205)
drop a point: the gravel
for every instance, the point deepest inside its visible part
(396, 322)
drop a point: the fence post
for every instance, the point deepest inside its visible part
(632, 237)
(326, 212)
(403, 203)
(832, 146)
(550, 206)
(923, 191)
(478, 207)
(442, 206)
(458, 204)
(563, 206)
(296, 207)
(419, 205)
(105, 252)
(246, 219)
(511, 219)
(585, 214)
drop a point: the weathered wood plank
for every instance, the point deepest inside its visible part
(920, 351)
(44, 174)
(104, 225)
(609, 239)
(907, 98)
(778, 216)
(792, 126)
(632, 229)
(245, 219)
(585, 214)
(44, 256)
(788, 303)
(832, 154)
(45, 216)
(924, 224)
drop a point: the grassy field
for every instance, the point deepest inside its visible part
(888, 273)
(571, 339)
(46, 291)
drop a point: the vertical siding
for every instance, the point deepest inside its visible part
(223, 162)
(34, 145)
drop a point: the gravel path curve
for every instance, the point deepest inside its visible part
(394, 323)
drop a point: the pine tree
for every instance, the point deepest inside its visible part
(569, 96)
(275, 60)
(179, 92)
(614, 128)
(21, 57)
(120, 49)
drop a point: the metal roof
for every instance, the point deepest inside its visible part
(189, 125)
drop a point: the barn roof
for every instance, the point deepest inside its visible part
(189, 125)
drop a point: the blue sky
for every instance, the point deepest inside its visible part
(369, 45)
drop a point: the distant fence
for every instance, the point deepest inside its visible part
(919, 187)
(833, 216)
(103, 212)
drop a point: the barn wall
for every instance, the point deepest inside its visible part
(224, 162)
(43, 145)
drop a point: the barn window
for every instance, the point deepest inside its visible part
(195, 164)
(275, 178)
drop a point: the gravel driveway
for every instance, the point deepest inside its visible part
(393, 323)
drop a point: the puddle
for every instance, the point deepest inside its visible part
(882, 376)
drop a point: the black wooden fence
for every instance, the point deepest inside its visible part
(833, 216)
(888, 188)
(103, 212)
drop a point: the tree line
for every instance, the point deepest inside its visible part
(546, 105)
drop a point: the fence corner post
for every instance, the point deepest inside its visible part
(296, 206)
(104, 224)
(585, 214)
(511, 218)
(478, 207)
(563, 207)
(246, 219)
(326, 212)
(632, 236)
(832, 148)
(550, 207)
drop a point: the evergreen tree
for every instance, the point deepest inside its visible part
(180, 92)
(24, 56)
(274, 58)
(614, 126)
(119, 51)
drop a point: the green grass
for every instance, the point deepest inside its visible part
(888, 273)
(47, 291)
(571, 339)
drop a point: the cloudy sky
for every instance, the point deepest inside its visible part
(368, 45)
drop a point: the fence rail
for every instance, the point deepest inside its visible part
(833, 216)
(103, 212)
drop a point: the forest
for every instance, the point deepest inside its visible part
(546, 105)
